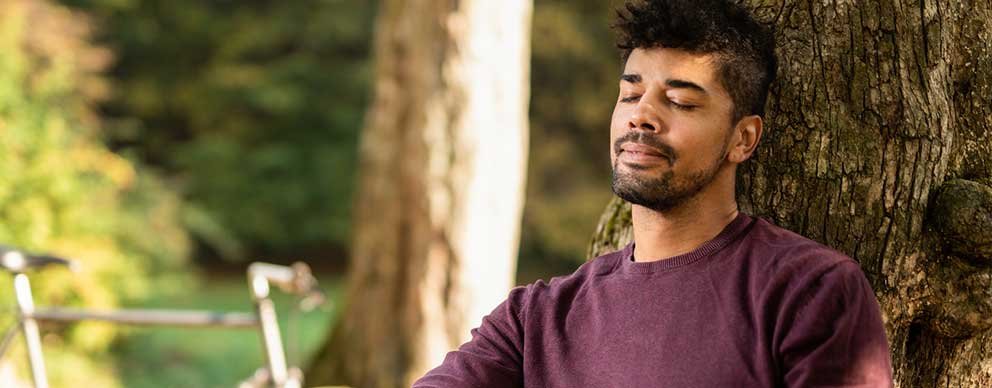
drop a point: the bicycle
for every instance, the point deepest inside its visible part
(296, 280)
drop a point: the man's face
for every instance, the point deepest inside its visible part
(670, 129)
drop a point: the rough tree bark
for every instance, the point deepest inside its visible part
(878, 144)
(439, 198)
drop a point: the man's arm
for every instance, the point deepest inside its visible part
(492, 358)
(836, 337)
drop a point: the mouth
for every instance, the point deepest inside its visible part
(640, 155)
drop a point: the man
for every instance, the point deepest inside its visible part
(705, 296)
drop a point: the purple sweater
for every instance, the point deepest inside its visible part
(757, 306)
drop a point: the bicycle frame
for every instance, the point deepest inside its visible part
(296, 279)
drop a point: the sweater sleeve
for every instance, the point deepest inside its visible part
(492, 358)
(836, 337)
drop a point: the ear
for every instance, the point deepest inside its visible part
(744, 139)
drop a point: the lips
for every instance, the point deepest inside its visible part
(635, 148)
(641, 156)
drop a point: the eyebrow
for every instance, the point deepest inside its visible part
(681, 84)
(672, 83)
(632, 78)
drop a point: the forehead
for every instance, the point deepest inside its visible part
(660, 64)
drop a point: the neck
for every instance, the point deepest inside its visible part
(660, 235)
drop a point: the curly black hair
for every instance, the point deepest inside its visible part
(745, 49)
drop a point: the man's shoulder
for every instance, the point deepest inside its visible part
(569, 285)
(787, 258)
(774, 243)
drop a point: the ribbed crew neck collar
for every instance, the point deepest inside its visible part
(729, 233)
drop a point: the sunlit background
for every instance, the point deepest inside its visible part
(167, 143)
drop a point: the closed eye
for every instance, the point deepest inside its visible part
(683, 107)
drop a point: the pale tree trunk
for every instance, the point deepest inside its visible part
(440, 191)
(878, 144)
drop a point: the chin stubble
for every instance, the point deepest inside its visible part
(664, 192)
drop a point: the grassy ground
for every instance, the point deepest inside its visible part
(167, 357)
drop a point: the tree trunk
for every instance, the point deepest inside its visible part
(438, 205)
(877, 144)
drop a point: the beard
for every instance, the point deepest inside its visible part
(666, 191)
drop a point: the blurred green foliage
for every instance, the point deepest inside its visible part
(252, 108)
(63, 191)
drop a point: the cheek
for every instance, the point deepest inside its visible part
(617, 124)
(698, 152)
(613, 155)
(619, 117)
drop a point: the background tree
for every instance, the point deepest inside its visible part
(437, 212)
(878, 144)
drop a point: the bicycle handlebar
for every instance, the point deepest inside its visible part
(14, 260)
(296, 279)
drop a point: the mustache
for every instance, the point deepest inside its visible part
(645, 138)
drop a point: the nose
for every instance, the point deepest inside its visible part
(644, 117)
